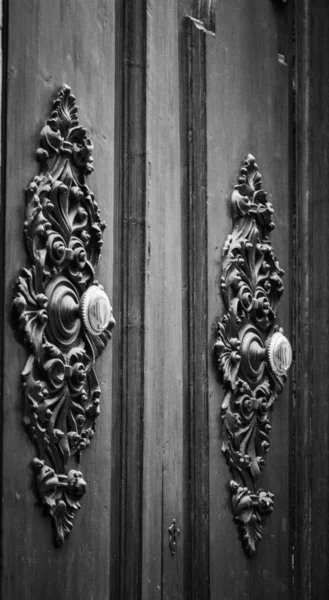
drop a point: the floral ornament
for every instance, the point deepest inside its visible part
(250, 510)
(253, 355)
(248, 197)
(61, 495)
(227, 349)
(62, 312)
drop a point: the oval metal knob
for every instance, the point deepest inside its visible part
(96, 310)
(279, 353)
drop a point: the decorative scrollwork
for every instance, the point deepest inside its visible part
(63, 314)
(253, 354)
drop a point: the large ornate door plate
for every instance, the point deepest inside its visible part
(64, 315)
(253, 354)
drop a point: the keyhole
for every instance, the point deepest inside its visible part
(174, 532)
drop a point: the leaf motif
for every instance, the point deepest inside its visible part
(64, 235)
(251, 285)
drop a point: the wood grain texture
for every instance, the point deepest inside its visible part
(162, 574)
(206, 13)
(3, 131)
(311, 293)
(130, 259)
(319, 160)
(247, 111)
(196, 314)
(173, 112)
(303, 324)
(51, 43)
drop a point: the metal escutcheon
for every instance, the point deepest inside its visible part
(174, 532)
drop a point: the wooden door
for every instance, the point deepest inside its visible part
(181, 100)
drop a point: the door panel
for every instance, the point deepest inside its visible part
(51, 43)
(248, 112)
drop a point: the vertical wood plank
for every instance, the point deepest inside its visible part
(197, 505)
(163, 425)
(3, 131)
(193, 73)
(311, 304)
(130, 276)
(319, 161)
(303, 279)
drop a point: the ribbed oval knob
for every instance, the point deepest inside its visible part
(96, 310)
(279, 353)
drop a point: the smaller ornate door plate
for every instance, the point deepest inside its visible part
(253, 354)
(63, 313)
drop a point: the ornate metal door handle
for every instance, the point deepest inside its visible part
(64, 315)
(67, 310)
(253, 354)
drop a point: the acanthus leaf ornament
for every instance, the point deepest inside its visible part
(63, 313)
(252, 353)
